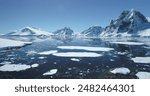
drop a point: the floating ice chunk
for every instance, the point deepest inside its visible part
(75, 59)
(77, 54)
(12, 43)
(14, 67)
(128, 43)
(55, 63)
(141, 59)
(34, 65)
(31, 52)
(143, 75)
(112, 60)
(122, 53)
(32, 58)
(69, 68)
(41, 57)
(5, 62)
(121, 70)
(146, 47)
(51, 72)
(85, 48)
(48, 52)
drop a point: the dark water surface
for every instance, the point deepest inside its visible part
(87, 67)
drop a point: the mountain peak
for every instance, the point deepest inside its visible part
(93, 31)
(28, 28)
(30, 31)
(129, 22)
(133, 15)
(64, 31)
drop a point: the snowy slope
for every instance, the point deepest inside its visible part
(64, 32)
(129, 23)
(92, 31)
(144, 33)
(148, 18)
(30, 31)
(11, 43)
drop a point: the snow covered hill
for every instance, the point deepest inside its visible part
(30, 31)
(129, 23)
(93, 31)
(64, 32)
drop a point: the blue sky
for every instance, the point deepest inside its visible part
(51, 15)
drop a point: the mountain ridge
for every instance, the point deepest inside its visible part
(30, 31)
(93, 31)
(129, 23)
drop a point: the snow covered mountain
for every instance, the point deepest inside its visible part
(93, 31)
(30, 31)
(64, 32)
(129, 23)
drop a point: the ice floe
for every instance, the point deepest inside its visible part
(34, 65)
(85, 48)
(14, 67)
(5, 62)
(12, 43)
(146, 47)
(121, 70)
(41, 57)
(143, 75)
(128, 43)
(51, 72)
(141, 60)
(122, 53)
(77, 54)
(75, 59)
(112, 60)
(48, 52)
(31, 52)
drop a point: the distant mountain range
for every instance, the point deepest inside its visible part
(93, 31)
(30, 31)
(130, 23)
(64, 32)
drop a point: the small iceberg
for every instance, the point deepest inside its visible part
(121, 70)
(141, 60)
(5, 62)
(34, 65)
(75, 59)
(48, 52)
(51, 72)
(143, 75)
(41, 57)
(14, 67)
(77, 54)
(31, 52)
(85, 48)
(128, 43)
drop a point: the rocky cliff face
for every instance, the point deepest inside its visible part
(127, 24)
(64, 32)
(93, 31)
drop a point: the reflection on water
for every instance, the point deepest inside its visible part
(74, 67)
